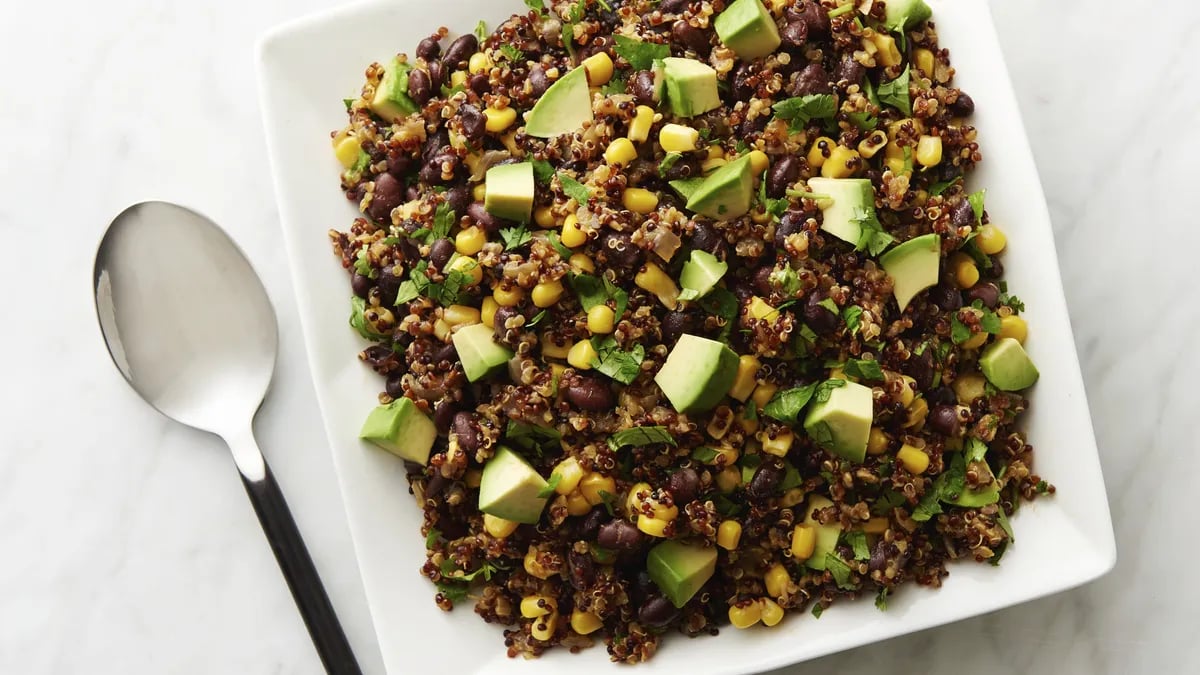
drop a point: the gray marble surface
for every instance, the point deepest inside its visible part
(126, 544)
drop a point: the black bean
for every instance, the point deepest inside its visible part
(429, 48)
(794, 35)
(443, 415)
(432, 171)
(691, 37)
(684, 168)
(459, 198)
(440, 252)
(766, 480)
(437, 74)
(817, 316)
(993, 271)
(643, 584)
(537, 80)
(657, 612)
(706, 238)
(850, 70)
(619, 535)
(592, 521)
(420, 89)
(988, 292)
(963, 105)
(436, 483)
(961, 213)
(762, 280)
(464, 429)
(920, 368)
(790, 223)
(411, 193)
(944, 419)
(879, 555)
(480, 84)
(580, 571)
(389, 283)
(812, 80)
(947, 297)
(616, 249)
(684, 486)
(447, 354)
(398, 163)
(394, 385)
(641, 85)
(783, 173)
(381, 359)
(389, 193)
(815, 16)
(435, 143)
(361, 285)
(479, 214)
(752, 126)
(473, 122)
(677, 323)
(942, 395)
(460, 50)
(742, 89)
(590, 393)
(742, 291)
(503, 314)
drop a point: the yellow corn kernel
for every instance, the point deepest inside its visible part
(639, 200)
(479, 62)
(710, 165)
(678, 138)
(458, 79)
(479, 192)
(725, 455)
(620, 151)
(760, 215)
(544, 217)
(487, 313)
(715, 151)
(581, 355)
(842, 163)
(873, 143)
(780, 444)
(963, 268)
(593, 484)
(441, 330)
(888, 54)
(577, 504)
(924, 61)
(599, 69)
(976, 340)
(791, 498)
(653, 279)
(585, 623)
(535, 568)
(929, 150)
(745, 616)
(655, 527)
(637, 497)
(600, 320)
(908, 389)
(776, 580)
(569, 474)
(470, 241)
(499, 119)
(772, 613)
(917, 413)
(581, 262)
(572, 235)
(461, 315)
(968, 388)
(877, 525)
(744, 382)
(1013, 327)
(991, 239)
(729, 478)
(552, 349)
(664, 512)
(913, 459)
(546, 293)
(804, 541)
(543, 627)
(533, 606)
(729, 534)
(763, 394)
(759, 309)
(639, 126)
(498, 527)
(508, 296)
(749, 424)
(820, 150)
(877, 442)
(346, 148)
(759, 162)
(468, 266)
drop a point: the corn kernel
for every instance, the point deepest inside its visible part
(593, 484)
(759, 309)
(710, 165)
(639, 200)
(461, 315)
(581, 262)
(637, 496)
(913, 459)
(533, 606)
(678, 138)
(776, 580)
(535, 568)
(715, 152)
(728, 479)
(569, 474)
(744, 382)
(487, 313)
(544, 217)
(804, 541)
(759, 162)
(664, 512)
(577, 504)
(506, 296)
(991, 239)
(729, 534)
(772, 613)
(553, 349)
(877, 525)
(585, 623)
(572, 235)
(763, 394)
(749, 424)
(924, 61)
(873, 143)
(976, 340)
(346, 148)
(599, 69)
(842, 163)
(726, 455)
(468, 266)
(498, 527)
(877, 442)
(470, 241)
(745, 616)
(820, 150)
(791, 497)
(581, 355)
(968, 388)
(547, 293)
(780, 444)
(499, 119)
(639, 127)
(1014, 327)
(620, 151)
(917, 413)
(441, 330)
(479, 62)
(963, 268)
(653, 279)
(654, 527)
(600, 320)
(906, 385)
(929, 150)
(479, 192)
(759, 215)
(543, 628)
(458, 78)
(888, 54)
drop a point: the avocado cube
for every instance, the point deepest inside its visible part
(727, 192)
(691, 86)
(913, 266)
(391, 100)
(697, 374)
(842, 423)
(1006, 365)
(680, 570)
(510, 191)
(747, 28)
(827, 535)
(901, 15)
(702, 272)
(686, 187)
(564, 108)
(480, 354)
(402, 429)
(845, 202)
(509, 488)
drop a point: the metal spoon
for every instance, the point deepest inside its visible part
(189, 325)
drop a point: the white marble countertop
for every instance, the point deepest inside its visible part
(126, 542)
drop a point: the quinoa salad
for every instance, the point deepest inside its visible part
(684, 314)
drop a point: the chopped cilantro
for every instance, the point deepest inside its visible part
(866, 369)
(704, 454)
(941, 186)
(575, 189)
(844, 9)
(536, 5)
(608, 499)
(881, 599)
(947, 486)
(531, 437)
(976, 200)
(852, 315)
(895, 93)
(511, 53)
(887, 500)
(825, 389)
(817, 610)
(775, 207)
(407, 292)
(830, 305)
(863, 120)
(857, 540)
(357, 308)
(786, 405)
(481, 30)
(611, 360)
(537, 318)
(543, 171)
(799, 110)
(638, 436)
(1042, 487)
(975, 450)
(348, 102)
(668, 161)
(615, 85)
(640, 55)
(959, 332)
(873, 238)
(515, 237)
(452, 591)
(593, 291)
(840, 571)
(563, 251)
(721, 302)
(432, 537)
(362, 265)
(551, 485)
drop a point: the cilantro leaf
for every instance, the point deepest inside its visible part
(817, 611)
(866, 369)
(825, 389)
(941, 186)
(452, 591)
(976, 200)
(511, 53)
(959, 332)
(575, 189)
(857, 540)
(615, 85)
(358, 321)
(406, 293)
(362, 265)
(637, 436)
(840, 571)
(611, 360)
(895, 93)
(563, 251)
(786, 405)
(515, 237)
(704, 454)
(348, 102)
(775, 207)
(432, 537)
(975, 450)
(481, 30)
(551, 484)
(537, 318)
(872, 237)
(947, 486)
(881, 599)
(443, 221)
(531, 437)
(863, 120)
(543, 171)
(887, 501)
(592, 291)
(536, 5)
(668, 161)
(852, 315)
(786, 279)
(640, 55)
(799, 110)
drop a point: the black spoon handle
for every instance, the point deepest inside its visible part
(298, 569)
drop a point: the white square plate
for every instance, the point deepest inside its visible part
(308, 66)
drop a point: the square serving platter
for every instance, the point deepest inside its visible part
(308, 66)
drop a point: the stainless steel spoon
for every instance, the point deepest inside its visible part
(189, 325)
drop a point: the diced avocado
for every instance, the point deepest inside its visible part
(510, 191)
(690, 86)
(1006, 365)
(509, 488)
(747, 28)
(697, 374)
(402, 429)
(727, 192)
(480, 354)
(850, 200)
(686, 187)
(974, 498)
(913, 266)
(391, 101)
(702, 272)
(904, 14)
(564, 108)
(842, 423)
(680, 570)
(827, 535)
